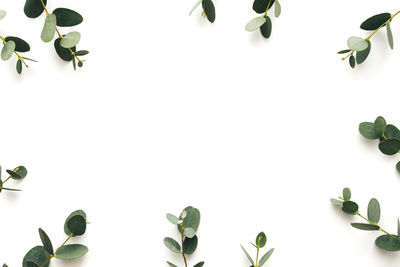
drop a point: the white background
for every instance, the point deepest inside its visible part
(171, 111)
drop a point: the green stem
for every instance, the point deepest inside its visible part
(19, 58)
(269, 4)
(183, 253)
(55, 253)
(391, 17)
(258, 250)
(380, 229)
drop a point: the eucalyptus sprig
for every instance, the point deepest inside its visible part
(261, 241)
(208, 9)
(187, 224)
(40, 256)
(388, 242)
(14, 45)
(362, 46)
(264, 23)
(387, 134)
(65, 45)
(18, 173)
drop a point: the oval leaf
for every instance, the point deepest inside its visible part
(81, 213)
(190, 245)
(200, 264)
(34, 8)
(375, 22)
(67, 17)
(172, 218)
(366, 227)
(374, 211)
(350, 207)
(189, 232)
(389, 146)
(379, 126)
(357, 43)
(266, 28)
(367, 130)
(388, 243)
(3, 13)
(346, 194)
(191, 219)
(62, 52)
(337, 202)
(19, 66)
(46, 241)
(261, 240)
(36, 255)
(172, 245)
(209, 10)
(260, 6)
(389, 35)
(70, 40)
(77, 225)
(8, 50)
(266, 256)
(391, 131)
(20, 44)
(70, 252)
(361, 56)
(278, 9)
(255, 24)
(49, 28)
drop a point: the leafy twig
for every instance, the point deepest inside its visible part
(261, 241)
(18, 173)
(264, 23)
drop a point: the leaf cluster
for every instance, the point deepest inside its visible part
(17, 173)
(359, 48)
(261, 241)
(14, 45)
(388, 242)
(208, 9)
(387, 134)
(187, 224)
(40, 256)
(264, 22)
(65, 45)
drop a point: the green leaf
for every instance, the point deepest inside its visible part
(337, 202)
(352, 61)
(367, 130)
(391, 131)
(46, 241)
(19, 66)
(346, 194)
(398, 227)
(70, 40)
(28, 264)
(366, 227)
(171, 264)
(3, 13)
(260, 6)
(247, 255)
(190, 220)
(172, 245)
(374, 211)
(190, 245)
(265, 257)
(34, 8)
(18, 173)
(361, 56)
(77, 225)
(189, 232)
(266, 28)
(278, 9)
(81, 53)
(20, 44)
(209, 10)
(36, 255)
(67, 17)
(398, 169)
(350, 207)
(375, 22)
(70, 252)
(387, 243)
(200, 264)
(172, 218)
(389, 35)
(8, 50)
(255, 24)
(261, 240)
(345, 51)
(63, 53)
(357, 43)
(390, 146)
(81, 213)
(195, 6)
(379, 126)
(49, 28)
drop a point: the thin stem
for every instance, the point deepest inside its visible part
(19, 58)
(391, 17)
(258, 250)
(380, 229)
(55, 253)
(183, 253)
(269, 4)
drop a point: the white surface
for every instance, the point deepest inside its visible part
(171, 111)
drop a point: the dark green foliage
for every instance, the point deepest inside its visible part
(67, 17)
(387, 134)
(352, 61)
(17, 173)
(263, 22)
(75, 224)
(63, 53)
(361, 56)
(375, 22)
(209, 10)
(42, 255)
(19, 66)
(261, 241)
(386, 242)
(188, 224)
(266, 28)
(34, 8)
(21, 45)
(260, 6)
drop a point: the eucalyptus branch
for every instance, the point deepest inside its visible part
(17, 173)
(208, 9)
(187, 224)
(65, 45)
(14, 45)
(40, 256)
(388, 242)
(361, 47)
(264, 23)
(387, 134)
(261, 241)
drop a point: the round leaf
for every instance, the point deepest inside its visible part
(46, 241)
(172, 245)
(81, 213)
(49, 28)
(67, 17)
(70, 40)
(190, 245)
(261, 240)
(361, 56)
(266, 28)
(260, 6)
(374, 211)
(367, 130)
(18, 173)
(36, 255)
(77, 225)
(366, 227)
(189, 232)
(391, 131)
(8, 50)
(387, 243)
(34, 8)
(172, 218)
(70, 252)
(191, 220)
(357, 43)
(389, 146)
(63, 53)
(350, 207)
(255, 24)
(375, 22)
